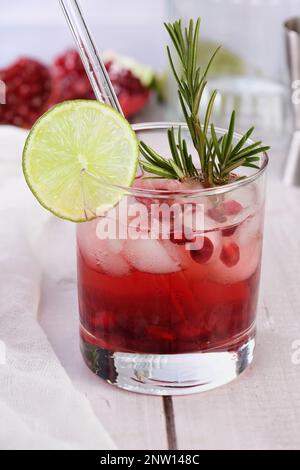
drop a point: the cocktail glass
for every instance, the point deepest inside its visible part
(168, 304)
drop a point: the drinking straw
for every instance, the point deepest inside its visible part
(93, 64)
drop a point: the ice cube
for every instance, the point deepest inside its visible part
(249, 230)
(87, 236)
(248, 238)
(138, 220)
(115, 246)
(150, 256)
(102, 255)
(223, 216)
(157, 184)
(111, 263)
(107, 227)
(136, 209)
(178, 253)
(193, 218)
(246, 196)
(248, 262)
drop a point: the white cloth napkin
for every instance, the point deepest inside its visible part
(39, 407)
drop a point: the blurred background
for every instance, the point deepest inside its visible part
(38, 28)
(250, 71)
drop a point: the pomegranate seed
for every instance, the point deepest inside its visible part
(228, 232)
(232, 207)
(230, 254)
(103, 321)
(217, 214)
(204, 254)
(181, 238)
(158, 332)
(28, 89)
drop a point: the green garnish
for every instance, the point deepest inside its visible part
(218, 156)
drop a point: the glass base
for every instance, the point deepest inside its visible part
(168, 374)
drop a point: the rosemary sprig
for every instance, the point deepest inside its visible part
(179, 167)
(218, 157)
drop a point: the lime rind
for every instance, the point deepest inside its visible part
(76, 137)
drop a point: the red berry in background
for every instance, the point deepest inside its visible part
(28, 89)
(204, 253)
(71, 82)
(132, 104)
(132, 94)
(32, 88)
(230, 254)
(70, 79)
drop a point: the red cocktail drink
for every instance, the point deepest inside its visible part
(180, 292)
(158, 296)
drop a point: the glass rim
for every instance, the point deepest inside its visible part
(148, 126)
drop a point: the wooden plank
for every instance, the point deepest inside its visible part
(170, 423)
(133, 421)
(261, 409)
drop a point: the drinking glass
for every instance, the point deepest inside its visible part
(168, 279)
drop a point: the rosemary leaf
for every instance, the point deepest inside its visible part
(209, 111)
(158, 171)
(218, 156)
(173, 147)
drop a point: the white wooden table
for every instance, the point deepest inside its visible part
(260, 410)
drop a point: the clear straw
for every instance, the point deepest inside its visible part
(93, 64)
